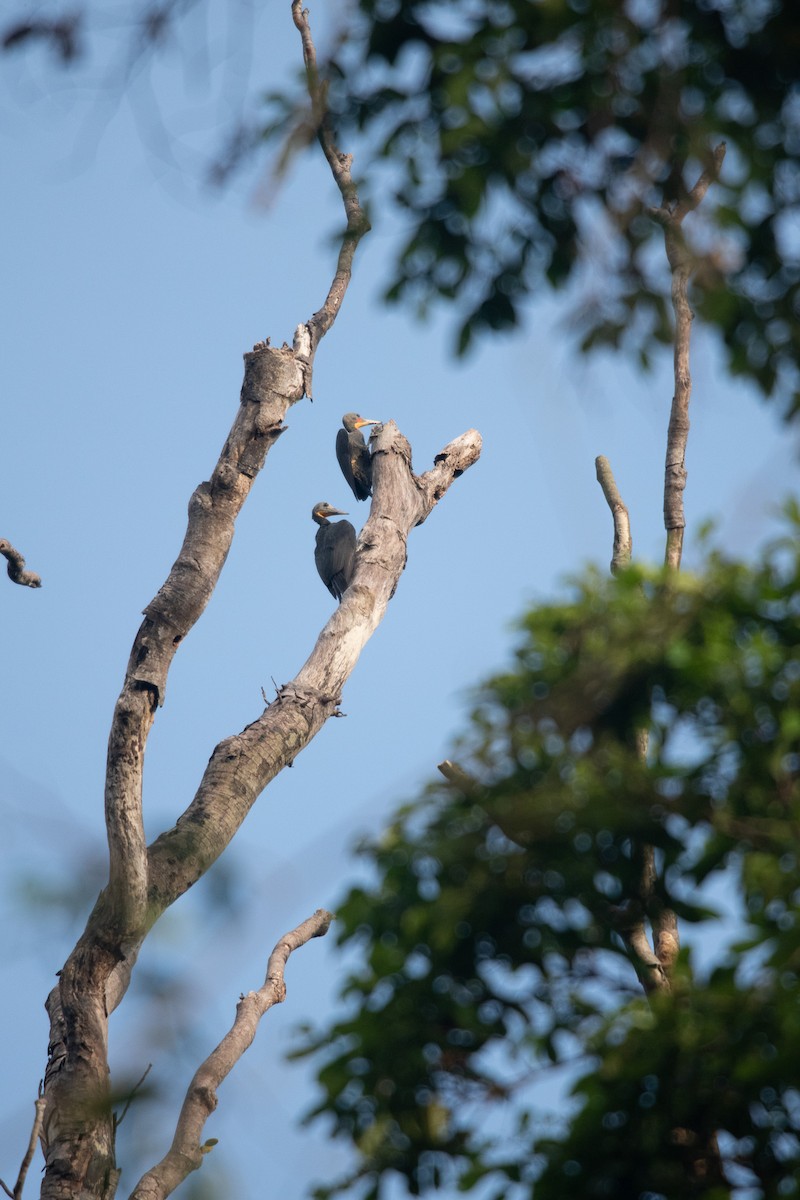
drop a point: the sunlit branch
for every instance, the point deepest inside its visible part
(623, 542)
(681, 265)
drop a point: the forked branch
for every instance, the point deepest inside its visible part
(241, 766)
(95, 977)
(97, 971)
(186, 1152)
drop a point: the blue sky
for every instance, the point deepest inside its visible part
(130, 293)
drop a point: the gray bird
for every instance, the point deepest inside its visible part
(353, 455)
(335, 551)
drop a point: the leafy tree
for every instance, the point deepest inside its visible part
(529, 140)
(497, 944)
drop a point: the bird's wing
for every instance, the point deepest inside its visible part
(343, 456)
(361, 466)
(343, 552)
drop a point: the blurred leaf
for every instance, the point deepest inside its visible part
(488, 946)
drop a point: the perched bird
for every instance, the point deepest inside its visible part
(353, 455)
(335, 552)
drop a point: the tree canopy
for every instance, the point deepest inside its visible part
(493, 947)
(530, 142)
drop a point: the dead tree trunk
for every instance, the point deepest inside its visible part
(78, 1130)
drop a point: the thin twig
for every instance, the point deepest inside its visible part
(623, 542)
(186, 1152)
(681, 265)
(39, 1106)
(131, 1096)
(16, 566)
(341, 169)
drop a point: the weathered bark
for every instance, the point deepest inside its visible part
(78, 1133)
(97, 973)
(654, 963)
(242, 766)
(78, 1128)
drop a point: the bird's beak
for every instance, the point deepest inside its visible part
(363, 422)
(337, 512)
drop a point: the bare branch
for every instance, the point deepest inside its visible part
(681, 266)
(459, 778)
(629, 920)
(241, 766)
(132, 1096)
(272, 382)
(38, 1117)
(663, 921)
(16, 566)
(186, 1153)
(341, 169)
(76, 1079)
(78, 1125)
(98, 971)
(623, 542)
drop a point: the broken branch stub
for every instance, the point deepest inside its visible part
(15, 566)
(623, 541)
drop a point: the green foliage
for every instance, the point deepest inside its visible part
(489, 961)
(529, 138)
